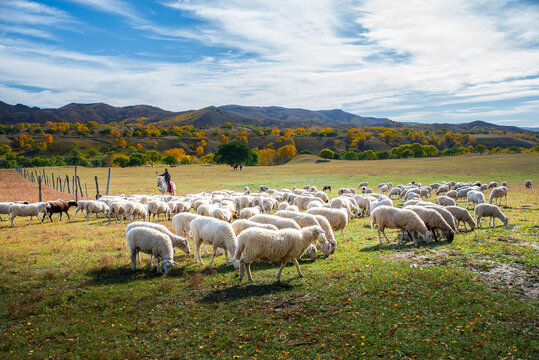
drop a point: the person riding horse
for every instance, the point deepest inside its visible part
(166, 176)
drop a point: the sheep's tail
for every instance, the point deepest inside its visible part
(239, 250)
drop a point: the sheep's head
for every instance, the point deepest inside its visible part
(235, 263)
(183, 245)
(168, 265)
(505, 220)
(427, 236)
(450, 235)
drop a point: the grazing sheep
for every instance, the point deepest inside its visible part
(395, 192)
(493, 184)
(281, 245)
(461, 215)
(347, 203)
(410, 195)
(249, 212)
(322, 196)
(95, 207)
(134, 209)
(177, 241)
(452, 194)
(528, 184)
(446, 201)
(215, 232)
(445, 214)
(443, 189)
(222, 213)
(338, 218)
(498, 193)
(363, 184)
(59, 207)
(492, 212)
(278, 221)
(177, 207)
(153, 242)
(292, 208)
(268, 204)
(27, 210)
(327, 187)
(156, 207)
(314, 203)
(283, 205)
(434, 221)
(475, 197)
(366, 190)
(205, 209)
(182, 223)
(239, 225)
(330, 236)
(504, 184)
(383, 200)
(403, 219)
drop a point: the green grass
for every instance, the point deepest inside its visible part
(67, 289)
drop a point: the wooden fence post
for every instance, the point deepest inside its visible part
(108, 183)
(67, 182)
(39, 186)
(97, 196)
(80, 187)
(86, 189)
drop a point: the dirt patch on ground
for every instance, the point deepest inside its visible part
(14, 188)
(497, 274)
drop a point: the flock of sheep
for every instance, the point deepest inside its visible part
(280, 225)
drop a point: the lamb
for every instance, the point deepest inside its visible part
(498, 193)
(528, 184)
(461, 215)
(27, 210)
(403, 219)
(278, 221)
(434, 221)
(177, 241)
(215, 232)
(492, 212)
(268, 204)
(281, 245)
(59, 207)
(182, 222)
(239, 225)
(156, 207)
(475, 197)
(151, 241)
(446, 201)
(338, 218)
(249, 212)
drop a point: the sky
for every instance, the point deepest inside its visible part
(408, 60)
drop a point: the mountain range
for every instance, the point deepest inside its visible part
(215, 116)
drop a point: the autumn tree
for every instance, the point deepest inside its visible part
(326, 154)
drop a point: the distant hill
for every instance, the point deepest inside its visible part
(216, 116)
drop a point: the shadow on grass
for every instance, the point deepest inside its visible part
(408, 246)
(245, 291)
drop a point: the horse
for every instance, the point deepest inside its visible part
(163, 188)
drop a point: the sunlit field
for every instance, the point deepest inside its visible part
(68, 290)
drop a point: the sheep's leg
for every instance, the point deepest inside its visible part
(150, 261)
(379, 239)
(297, 267)
(197, 252)
(12, 221)
(434, 234)
(212, 256)
(134, 260)
(226, 257)
(249, 275)
(242, 270)
(342, 232)
(401, 238)
(283, 263)
(383, 233)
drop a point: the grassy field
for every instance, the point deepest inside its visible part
(67, 289)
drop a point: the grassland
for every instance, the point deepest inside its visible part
(67, 289)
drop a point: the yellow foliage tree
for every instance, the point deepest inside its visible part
(178, 153)
(139, 147)
(286, 152)
(266, 157)
(200, 151)
(47, 138)
(224, 138)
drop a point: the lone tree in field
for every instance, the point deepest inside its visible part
(326, 153)
(234, 153)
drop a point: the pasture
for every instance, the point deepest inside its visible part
(68, 290)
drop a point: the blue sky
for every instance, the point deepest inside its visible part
(417, 61)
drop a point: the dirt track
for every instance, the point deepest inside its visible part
(13, 187)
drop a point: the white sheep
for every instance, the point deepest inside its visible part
(179, 206)
(492, 184)
(134, 209)
(249, 212)
(498, 193)
(443, 189)
(362, 184)
(492, 212)
(176, 240)
(278, 221)
(215, 232)
(395, 192)
(181, 223)
(475, 197)
(268, 204)
(403, 219)
(434, 221)
(452, 194)
(314, 203)
(330, 236)
(156, 207)
(117, 208)
(239, 225)
(281, 245)
(28, 210)
(461, 215)
(338, 218)
(382, 200)
(222, 213)
(151, 241)
(446, 201)
(322, 196)
(448, 217)
(95, 207)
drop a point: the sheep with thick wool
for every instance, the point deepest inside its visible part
(153, 242)
(182, 223)
(95, 207)
(403, 219)
(337, 218)
(4, 206)
(382, 200)
(222, 213)
(395, 192)
(117, 208)
(285, 245)
(239, 225)
(461, 215)
(434, 221)
(134, 209)
(249, 212)
(330, 236)
(28, 210)
(448, 217)
(492, 212)
(475, 197)
(498, 193)
(157, 207)
(446, 201)
(268, 204)
(176, 240)
(278, 221)
(215, 232)
(177, 206)
(314, 203)
(452, 194)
